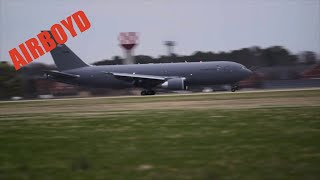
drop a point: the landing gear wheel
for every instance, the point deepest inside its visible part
(234, 88)
(143, 93)
(149, 92)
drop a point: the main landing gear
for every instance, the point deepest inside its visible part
(148, 92)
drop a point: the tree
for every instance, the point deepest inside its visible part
(10, 82)
(277, 55)
(309, 57)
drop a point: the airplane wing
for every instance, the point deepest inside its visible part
(61, 75)
(140, 79)
(137, 76)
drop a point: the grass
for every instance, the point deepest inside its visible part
(256, 143)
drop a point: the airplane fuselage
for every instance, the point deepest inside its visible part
(195, 73)
(172, 76)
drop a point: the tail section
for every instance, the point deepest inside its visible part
(64, 58)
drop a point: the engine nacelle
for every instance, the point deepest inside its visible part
(175, 84)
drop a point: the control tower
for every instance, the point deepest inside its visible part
(128, 40)
(170, 45)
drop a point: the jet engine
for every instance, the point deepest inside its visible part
(175, 84)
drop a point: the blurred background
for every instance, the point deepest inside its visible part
(279, 40)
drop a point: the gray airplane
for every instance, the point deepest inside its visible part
(149, 77)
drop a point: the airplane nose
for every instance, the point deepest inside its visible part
(247, 72)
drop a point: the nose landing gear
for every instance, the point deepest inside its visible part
(148, 92)
(234, 87)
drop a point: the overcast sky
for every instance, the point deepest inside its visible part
(205, 25)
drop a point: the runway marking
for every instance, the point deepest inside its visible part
(161, 95)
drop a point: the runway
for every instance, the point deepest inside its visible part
(163, 95)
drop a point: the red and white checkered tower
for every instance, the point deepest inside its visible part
(128, 40)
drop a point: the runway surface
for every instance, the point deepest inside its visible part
(163, 95)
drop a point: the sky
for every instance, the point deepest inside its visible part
(195, 25)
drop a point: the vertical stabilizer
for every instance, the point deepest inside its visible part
(64, 58)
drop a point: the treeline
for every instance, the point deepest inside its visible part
(21, 82)
(250, 57)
